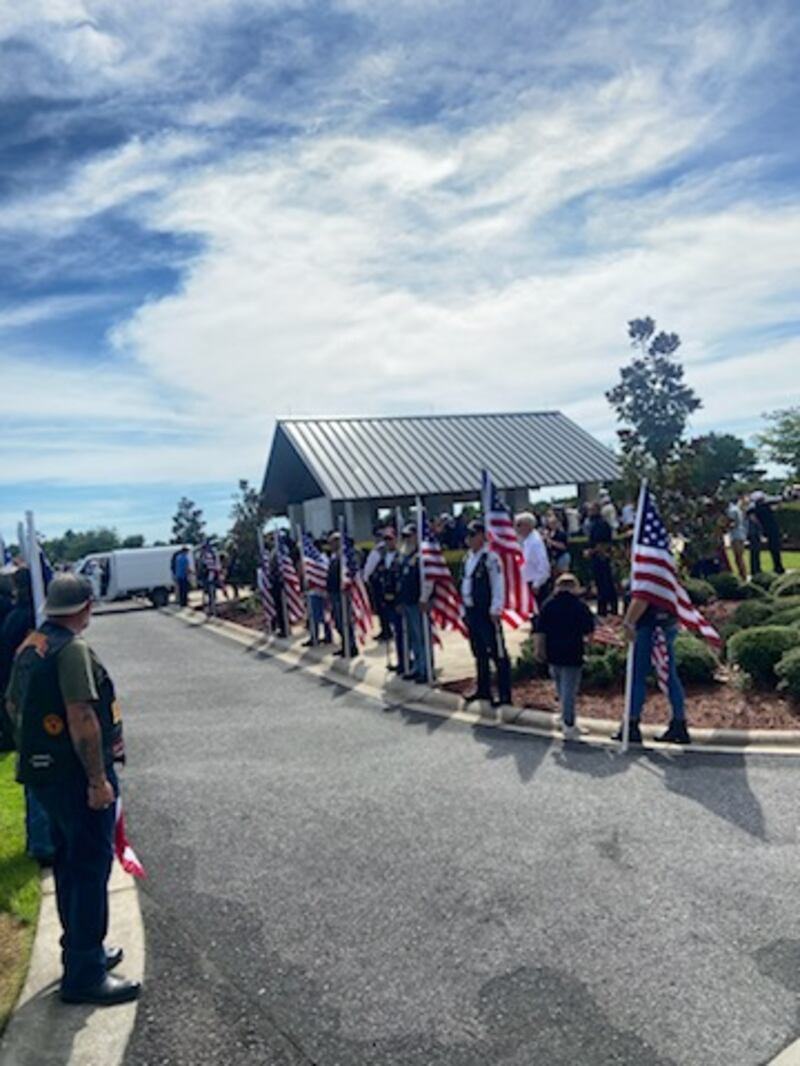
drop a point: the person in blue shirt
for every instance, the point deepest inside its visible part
(182, 569)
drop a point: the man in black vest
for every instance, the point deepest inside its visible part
(483, 593)
(69, 735)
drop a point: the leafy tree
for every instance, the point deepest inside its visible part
(651, 398)
(188, 524)
(248, 515)
(718, 460)
(136, 540)
(781, 441)
(73, 546)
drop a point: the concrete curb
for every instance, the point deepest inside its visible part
(790, 1056)
(371, 680)
(43, 1031)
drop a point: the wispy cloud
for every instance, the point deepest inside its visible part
(385, 207)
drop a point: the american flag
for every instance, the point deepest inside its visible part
(128, 859)
(659, 657)
(293, 593)
(445, 606)
(264, 590)
(353, 584)
(654, 576)
(315, 565)
(503, 540)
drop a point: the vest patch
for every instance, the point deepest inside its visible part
(53, 724)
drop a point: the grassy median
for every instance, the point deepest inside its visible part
(19, 890)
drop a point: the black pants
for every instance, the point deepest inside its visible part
(183, 590)
(83, 842)
(774, 545)
(486, 641)
(755, 555)
(604, 582)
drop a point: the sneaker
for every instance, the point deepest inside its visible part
(676, 733)
(569, 732)
(634, 734)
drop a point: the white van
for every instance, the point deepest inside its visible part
(128, 572)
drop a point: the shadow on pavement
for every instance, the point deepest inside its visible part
(717, 782)
(527, 752)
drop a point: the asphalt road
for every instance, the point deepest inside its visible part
(339, 883)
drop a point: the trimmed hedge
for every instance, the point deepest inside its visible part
(765, 579)
(785, 617)
(527, 666)
(752, 613)
(695, 661)
(727, 586)
(758, 651)
(787, 584)
(788, 673)
(700, 592)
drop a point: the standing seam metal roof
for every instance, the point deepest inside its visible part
(385, 458)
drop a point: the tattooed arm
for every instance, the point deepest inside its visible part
(84, 731)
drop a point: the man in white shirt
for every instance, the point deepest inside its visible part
(608, 510)
(536, 568)
(483, 593)
(379, 576)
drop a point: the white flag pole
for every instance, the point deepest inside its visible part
(284, 601)
(406, 663)
(22, 538)
(343, 592)
(264, 568)
(626, 715)
(426, 631)
(35, 564)
(312, 625)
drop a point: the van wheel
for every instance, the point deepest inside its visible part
(159, 597)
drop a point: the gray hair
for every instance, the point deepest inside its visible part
(525, 516)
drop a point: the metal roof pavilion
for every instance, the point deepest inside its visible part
(397, 457)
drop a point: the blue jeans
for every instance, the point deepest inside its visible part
(642, 652)
(37, 827)
(317, 619)
(83, 840)
(415, 620)
(567, 680)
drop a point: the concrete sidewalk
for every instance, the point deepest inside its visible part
(43, 1031)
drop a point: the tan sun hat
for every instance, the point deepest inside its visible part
(68, 594)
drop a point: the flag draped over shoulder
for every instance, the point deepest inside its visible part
(445, 603)
(503, 541)
(654, 575)
(315, 565)
(293, 593)
(353, 585)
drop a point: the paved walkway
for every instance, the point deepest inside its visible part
(335, 881)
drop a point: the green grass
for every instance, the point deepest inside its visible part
(19, 889)
(790, 560)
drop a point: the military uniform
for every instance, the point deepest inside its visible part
(55, 668)
(483, 594)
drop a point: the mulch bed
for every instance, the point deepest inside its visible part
(725, 705)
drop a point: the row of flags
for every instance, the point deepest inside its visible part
(654, 576)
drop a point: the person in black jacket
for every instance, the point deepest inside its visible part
(599, 552)
(563, 624)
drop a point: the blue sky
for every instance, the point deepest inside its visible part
(215, 214)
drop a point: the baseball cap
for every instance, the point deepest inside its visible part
(68, 594)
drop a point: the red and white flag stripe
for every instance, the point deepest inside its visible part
(519, 604)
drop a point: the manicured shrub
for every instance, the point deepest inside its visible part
(752, 592)
(765, 579)
(757, 651)
(784, 616)
(700, 591)
(787, 584)
(527, 666)
(727, 630)
(695, 661)
(598, 671)
(752, 613)
(727, 585)
(788, 672)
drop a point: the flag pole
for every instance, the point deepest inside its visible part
(626, 714)
(426, 631)
(35, 564)
(406, 663)
(312, 625)
(262, 560)
(343, 593)
(284, 600)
